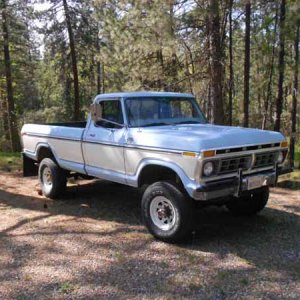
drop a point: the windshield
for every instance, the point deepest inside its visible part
(157, 111)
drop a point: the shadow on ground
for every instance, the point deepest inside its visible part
(291, 184)
(226, 257)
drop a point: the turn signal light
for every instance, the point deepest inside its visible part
(284, 144)
(209, 153)
(191, 154)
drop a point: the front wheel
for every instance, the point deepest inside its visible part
(249, 204)
(52, 178)
(166, 212)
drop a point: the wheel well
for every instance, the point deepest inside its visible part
(44, 152)
(154, 173)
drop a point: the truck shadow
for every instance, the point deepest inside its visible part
(290, 184)
(267, 242)
(104, 200)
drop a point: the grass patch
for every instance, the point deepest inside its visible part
(244, 281)
(10, 161)
(66, 288)
(294, 175)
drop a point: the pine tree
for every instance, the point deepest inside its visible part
(11, 114)
(247, 63)
(281, 65)
(216, 62)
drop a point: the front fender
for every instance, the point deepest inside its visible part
(188, 183)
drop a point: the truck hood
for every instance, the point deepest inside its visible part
(199, 137)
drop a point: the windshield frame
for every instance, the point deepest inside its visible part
(192, 100)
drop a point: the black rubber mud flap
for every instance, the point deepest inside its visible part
(29, 167)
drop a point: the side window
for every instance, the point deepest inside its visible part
(112, 116)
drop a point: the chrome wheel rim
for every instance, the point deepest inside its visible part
(47, 179)
(162, 213)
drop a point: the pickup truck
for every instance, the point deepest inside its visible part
(162, 143)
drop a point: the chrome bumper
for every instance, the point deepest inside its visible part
(236, 185)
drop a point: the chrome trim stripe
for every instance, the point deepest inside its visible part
(102, 143)
(133, 147)
(51, 137)
(155, 149)
(171, 151)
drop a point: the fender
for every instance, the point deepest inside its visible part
(30, 167)
(133, 179)
(64, 164)
(46, 145)
(34, 155)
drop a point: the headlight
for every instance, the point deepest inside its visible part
(280, 157)
(208, 168)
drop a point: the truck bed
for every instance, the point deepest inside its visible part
(77, 124)
(64, 140)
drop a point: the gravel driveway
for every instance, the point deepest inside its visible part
(90, 244)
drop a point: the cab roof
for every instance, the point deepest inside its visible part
(142, 94)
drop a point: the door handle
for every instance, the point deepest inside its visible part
(92, 134)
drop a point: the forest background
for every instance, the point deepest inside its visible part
(239, 58)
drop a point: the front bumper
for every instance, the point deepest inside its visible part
(236, 185)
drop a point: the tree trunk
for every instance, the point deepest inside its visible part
(99, 88)
(102, 78)
(187, 72)
(208, 104)
(216, 63)
(279, 100)
(247, 63)
(269, 88)
(231, 75)
(98, 69)
(12, 120)
(74, 62)
(173, 63)
(4, 116)
(160, 59)
(295, 96)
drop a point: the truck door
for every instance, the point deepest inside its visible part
(103, 143)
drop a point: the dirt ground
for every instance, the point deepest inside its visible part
(91, 245)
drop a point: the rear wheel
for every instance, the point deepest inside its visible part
(166, 212)
(249, 204)
(52, 178)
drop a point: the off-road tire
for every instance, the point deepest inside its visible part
(182, 208)
(58, 179)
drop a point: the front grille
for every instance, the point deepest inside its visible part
(252, 161)
(247, 148)
(230, 165)
(265, 159)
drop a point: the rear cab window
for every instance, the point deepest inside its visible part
(112, 114)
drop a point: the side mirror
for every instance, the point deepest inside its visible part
(96, 112)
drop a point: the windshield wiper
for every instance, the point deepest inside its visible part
(156, 124)
(188, 122)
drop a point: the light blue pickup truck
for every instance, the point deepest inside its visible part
(161, 143)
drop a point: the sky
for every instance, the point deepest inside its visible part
(40, 37)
